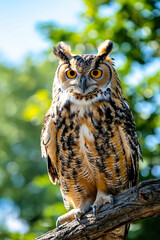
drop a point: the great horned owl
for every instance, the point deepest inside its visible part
(88, 134)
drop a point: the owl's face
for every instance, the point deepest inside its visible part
(83, 73)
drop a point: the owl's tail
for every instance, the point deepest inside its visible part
(117, 234)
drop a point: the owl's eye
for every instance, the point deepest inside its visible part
(96, 73)
(71, 74)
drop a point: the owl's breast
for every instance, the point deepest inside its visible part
(89, 151)
(81, 135)
(85, 135)
(75, 134)
(77, 127)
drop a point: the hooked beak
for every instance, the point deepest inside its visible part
(83, 83)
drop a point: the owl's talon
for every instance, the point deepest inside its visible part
(76, 217)
(111, 199)
(94, 210)
(57, 224)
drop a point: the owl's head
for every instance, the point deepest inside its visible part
(83, 74)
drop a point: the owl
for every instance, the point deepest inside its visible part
(88, 135)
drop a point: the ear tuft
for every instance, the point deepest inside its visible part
(105, 48)
(63, 51)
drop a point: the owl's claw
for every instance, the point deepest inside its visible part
(69, 216)
(111, 199)
(76, 217)
(94, 209)
(57, 224)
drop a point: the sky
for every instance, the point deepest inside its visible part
(19, 18)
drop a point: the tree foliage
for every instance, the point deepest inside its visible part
(28, 197)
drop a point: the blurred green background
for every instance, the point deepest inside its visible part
(29, 203)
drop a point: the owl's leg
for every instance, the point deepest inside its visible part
(101, 199)
(76, 213)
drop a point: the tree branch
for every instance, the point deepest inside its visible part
(136, 203)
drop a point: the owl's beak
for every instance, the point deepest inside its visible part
(83, 83)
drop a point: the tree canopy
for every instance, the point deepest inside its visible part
(27, 195)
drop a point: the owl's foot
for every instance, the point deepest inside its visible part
(101, 200)
(75, 213)
(71, 215)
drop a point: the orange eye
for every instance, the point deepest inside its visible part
(71, 74)
(96, 73)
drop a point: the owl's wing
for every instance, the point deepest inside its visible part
(48, 145)
(130, 142)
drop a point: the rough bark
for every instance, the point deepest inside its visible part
(136, 203)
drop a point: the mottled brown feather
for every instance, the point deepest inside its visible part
(89, 138)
